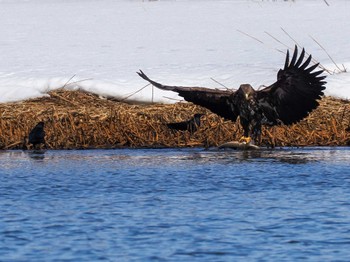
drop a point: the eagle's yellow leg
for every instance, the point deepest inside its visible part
(245, 139)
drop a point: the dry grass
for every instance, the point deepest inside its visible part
(78, 120)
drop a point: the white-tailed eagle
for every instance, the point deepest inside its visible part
(288, 100)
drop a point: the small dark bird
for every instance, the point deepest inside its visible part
(190, 125)
(37, 135)
(293, 95)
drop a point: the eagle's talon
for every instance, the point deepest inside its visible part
(245, 139)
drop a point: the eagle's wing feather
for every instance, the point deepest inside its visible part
(215, 100)
(295, 93)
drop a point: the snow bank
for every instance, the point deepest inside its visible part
(103, 43)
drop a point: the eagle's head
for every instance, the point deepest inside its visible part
(246, 91)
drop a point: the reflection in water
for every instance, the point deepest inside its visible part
(37, 154)
(171, 157)
(237, 156)
(283, 156)
(296, 159)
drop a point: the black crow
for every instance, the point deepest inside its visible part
(37, 135)
(190, 125)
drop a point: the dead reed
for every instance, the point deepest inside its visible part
(80, 120)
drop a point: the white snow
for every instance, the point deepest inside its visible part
(102, 43)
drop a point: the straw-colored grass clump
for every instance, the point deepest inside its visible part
(78, 120)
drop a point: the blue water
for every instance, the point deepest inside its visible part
(175, 205)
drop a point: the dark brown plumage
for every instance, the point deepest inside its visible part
(288, 100)
(37, 135)
(190, 125)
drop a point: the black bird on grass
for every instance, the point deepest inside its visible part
(190, 125)
(37, 135)
(288, 100)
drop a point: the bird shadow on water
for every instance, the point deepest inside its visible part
(281, 156)
(245, 156)
(37, 155)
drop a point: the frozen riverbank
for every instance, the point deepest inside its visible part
(103, 43)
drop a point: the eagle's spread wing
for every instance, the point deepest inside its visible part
(215, 100)
(295, 93)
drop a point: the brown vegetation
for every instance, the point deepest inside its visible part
(78, 120)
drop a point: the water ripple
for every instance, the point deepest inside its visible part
(171, 205)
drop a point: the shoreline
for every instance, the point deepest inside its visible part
(81, 120)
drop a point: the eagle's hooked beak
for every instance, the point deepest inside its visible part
(246, 95)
